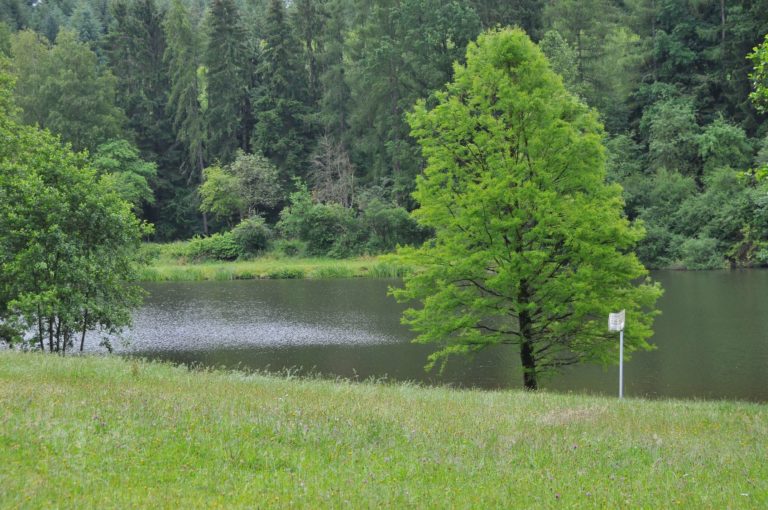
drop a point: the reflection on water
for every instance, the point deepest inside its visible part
(712, 337)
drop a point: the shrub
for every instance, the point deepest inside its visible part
(328, 229)
(659, 247)
(252, 235)
(701, 253)
(389, 226)
(290, 247)
(215, 247)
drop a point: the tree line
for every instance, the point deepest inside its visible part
(183, 103)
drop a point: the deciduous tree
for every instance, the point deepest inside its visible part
(68, 243)
(531, 247)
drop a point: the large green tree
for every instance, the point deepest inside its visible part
(225, 60)
(283, 130)
(187, 103)
(403, 51)
(68, 243)
(136, 46)
(62, 88)
(531, 247)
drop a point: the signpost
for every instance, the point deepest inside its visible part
(616, 323)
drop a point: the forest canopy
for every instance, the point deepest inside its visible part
(319, 90)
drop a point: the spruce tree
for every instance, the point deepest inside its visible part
(225, 60)
(135, 47)
(283, 130)
(186, 107)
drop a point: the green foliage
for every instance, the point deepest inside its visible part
(183, 56)
(605, 54)
(328, 229)
(215, 247)
(129, 175)
(321, 88)
(290, 247)
(701, 253)
(252, 235)
(530, 245)
(759, 75)
(563, 59)
(226, 89)
(135, 47)
(248, 185)
(672, 135)
(286, 274)
(722, 144)
(283, 127)
(85, 23)
(5, 40)
(219, 193)
(63, 89)
(388, 226)
(68, 243)
(337, 231)
(402, 52)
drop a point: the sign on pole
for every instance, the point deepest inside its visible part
(616, 323)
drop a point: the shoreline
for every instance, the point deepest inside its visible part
(270, 268)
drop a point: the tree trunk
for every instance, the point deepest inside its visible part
(85, 324)
(50, 334)
(527, 357)
(528, 361)
(40, 329)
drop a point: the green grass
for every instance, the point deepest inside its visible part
(113, 433)
(169, 264)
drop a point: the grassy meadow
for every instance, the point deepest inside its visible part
(167, 263)
(105, 432)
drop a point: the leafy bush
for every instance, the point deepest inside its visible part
(701, 253)
(328, 229)
(252, 235)
(215, 247)
(389, 226)
(290, 247)
(149, 252)
(659, 247)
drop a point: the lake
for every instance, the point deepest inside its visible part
(712, 336)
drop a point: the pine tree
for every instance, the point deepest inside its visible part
(135, 47)
(283, 130)
(85, 23)
(183, 57)
(335, 95)
(225, 60)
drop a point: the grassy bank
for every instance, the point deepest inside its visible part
(111, 433)
(167, 264)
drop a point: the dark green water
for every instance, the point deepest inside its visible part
(712, 337)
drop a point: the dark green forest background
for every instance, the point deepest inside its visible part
(295, 111)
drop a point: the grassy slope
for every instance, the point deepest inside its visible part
(110, 433)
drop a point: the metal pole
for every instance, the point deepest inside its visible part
(621, 364)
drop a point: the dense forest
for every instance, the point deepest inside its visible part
(257, 117)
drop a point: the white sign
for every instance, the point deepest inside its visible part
(616, 321)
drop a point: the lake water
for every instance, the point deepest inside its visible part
(712, 336)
